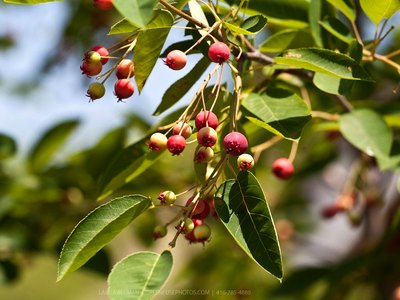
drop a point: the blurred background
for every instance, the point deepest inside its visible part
(55, 144)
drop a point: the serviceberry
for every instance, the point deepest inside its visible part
(183, 129)
(158, 141)
(219, 52)
(176, 144)
(204, 155)
(235, 143)
(167, 197)
(206, 118)
(125, 69)
(207, 137)
(95, 91)
(103, 4)
(123, 89)
(176, 60)
(91, 69)
(103, 53)
(200, 210)
(282, 168)
(202, 233)
(245, 162)
(159, 231)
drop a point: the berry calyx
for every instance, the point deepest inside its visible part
(91, 69)
(123, 89)
(176, 144)
(125, 69)
(206, 118)
(219, 52)
(183, 129)
(282, 168)
(245, 162)
(204, 155)
(103, 53)
(235, 143)
(95, 91)
(167, 197)
(202, 233)
(176, 60)
(207, 137)
(158, 141)
(159, 231)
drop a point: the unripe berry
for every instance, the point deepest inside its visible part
(245, 162)
(167, 197)
(207, 137)
(91, 69)
(92, 57)
(282, 168)
(188, 225)
(123, 89)
(183, 129)
(219, 52)
(95, 91)
(200, 210)
(190, 236)
(206, 118)
(158, 141)
(235, 143)
(202, 233)
(176, 60)
(159, 231)
(176, 144)
(125, 69)
(204, 155)
(103, 4)
(103, 53)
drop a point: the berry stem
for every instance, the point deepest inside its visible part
(236, 102)
(293, 151)
(174, 10)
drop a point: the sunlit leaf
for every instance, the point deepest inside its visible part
(137, 12)
(123, 26)
(379, 10)
(250, 26)
(279, 41)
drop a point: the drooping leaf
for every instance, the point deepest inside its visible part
(30, 1)
(49, 144)
(8, 147)
(177, 90)
(139, 276)
(250, 26)
(282, 110)
(345, 7)
(379, 10)
(324, 61)
(97, 229)
(242, 208)
(137, 12)
(279, 41)
(123, 26)
(149, 45)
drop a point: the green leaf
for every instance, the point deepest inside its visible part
(345, 8)
(139, 276)
(49, 144)
(332, 85)
(250, 26)
(242, 208)
(149, 45)
(367, 131)
(324, 61)
(137, 12)
(127, 165)
(177, 90)
(30, 1)
(8, 147)
(314, 16)
(97, 229)
(379, 10)
(197, 12)
(123, 26)
(279, 41)
(338, 29)
(281, 109)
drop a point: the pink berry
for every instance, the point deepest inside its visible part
(176, 144)
(103, 53)
(190, 236)
(158, 141)
(91, 69)
(206, 118)
(235, 143)
(200, 210)
(282, 168)
(176, 60)
(103, 4)
(204, 155)
(219, 52)
(125, 69)
(245, 162)
(207, 137)
(123, 89)
(95, 91)
(183, 129)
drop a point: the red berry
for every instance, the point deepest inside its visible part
(103, 4)
(245, 162)
(158, 141)
(330, 211)
(95, 91)
(282, 168)
(123, 89)
(183, 129)
(176, 60)
(204, 155)
(91, 69)
(206, 118)
(125, 69)
(219, 52)
(207, 137)
(190, 236)
(235, 143)
(176, 144)
(200, 210)
(103, 53)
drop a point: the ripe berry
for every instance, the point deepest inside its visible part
(204, 155)
(159, 231)
(176, 60)
(282, 168)
(202, 233)
(235, 143)
(123, 89)
(207, 137)
(167, 197)
(245, 162)
(183, 129)
(95, 91)
(206, 118)
(219, 52)
(103, 53)
(200, 210)
(91, 69)
(125, 69)
(103, 4)
(176, 144)
(158, 141)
